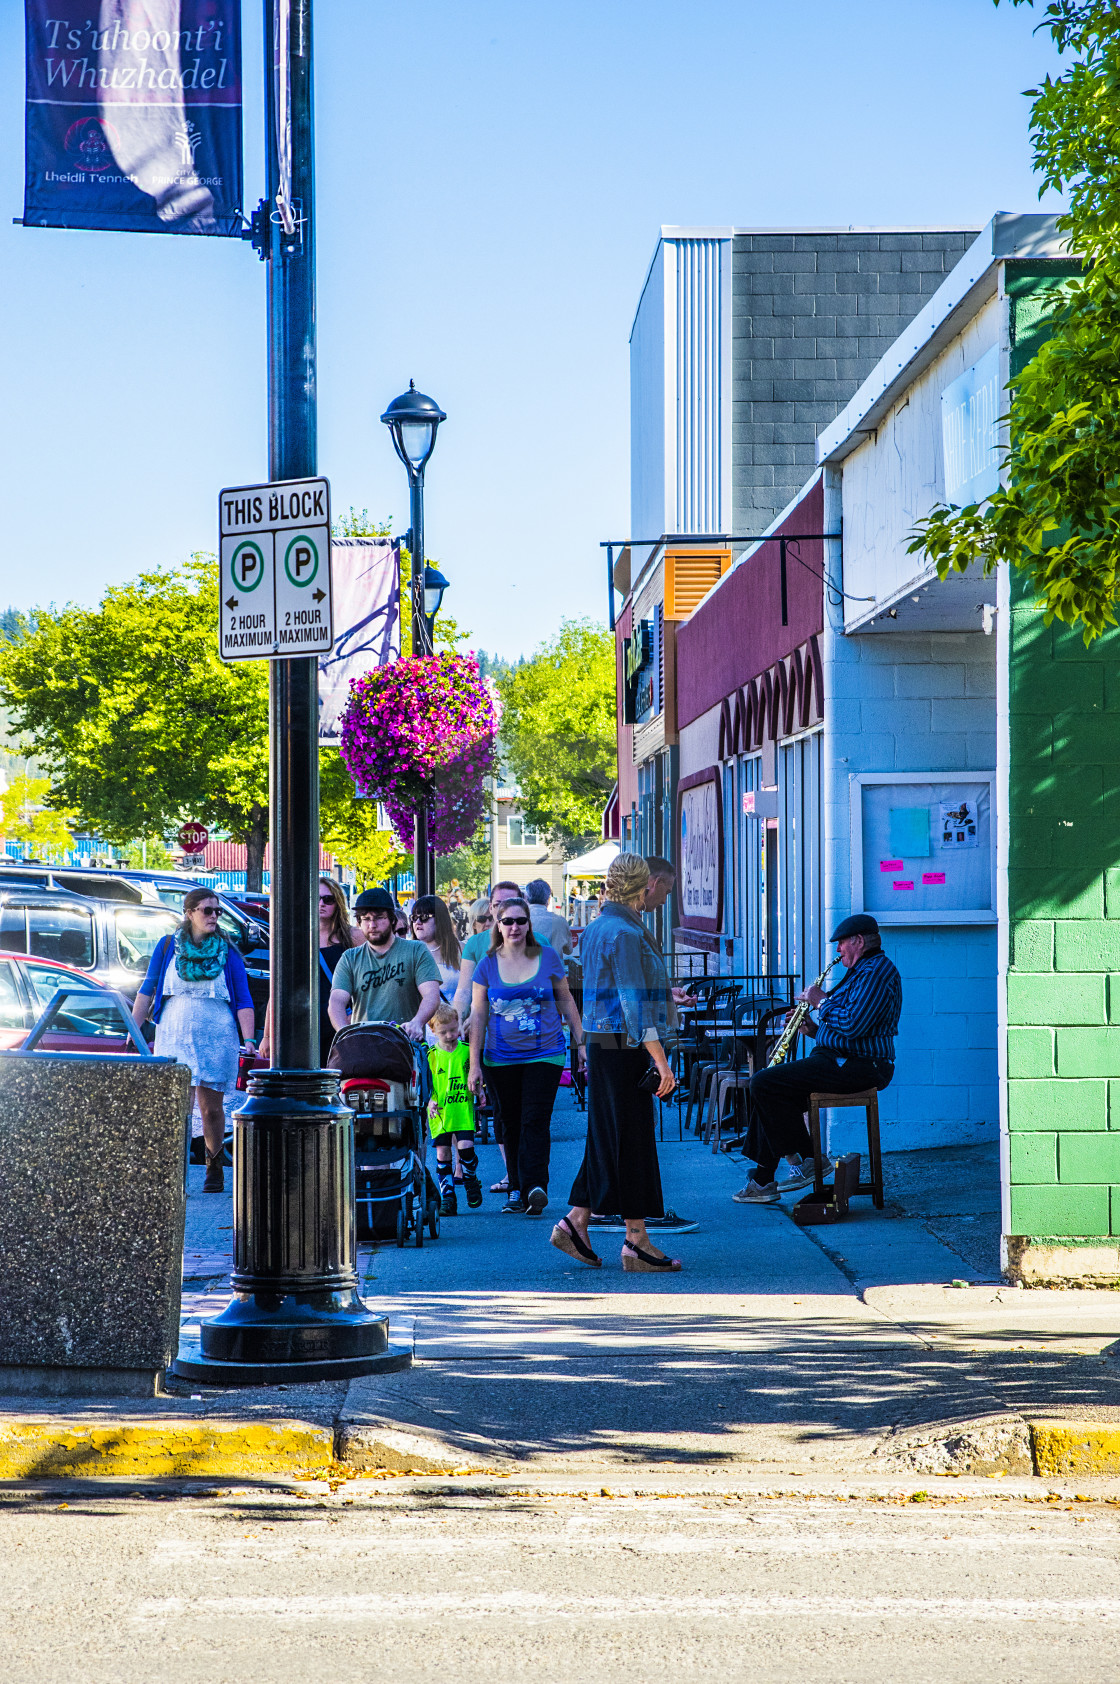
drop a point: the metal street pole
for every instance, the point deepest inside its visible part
(295, 1313)
(421, 645)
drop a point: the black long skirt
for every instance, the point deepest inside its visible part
(619, 1174)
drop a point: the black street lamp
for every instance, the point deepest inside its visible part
(434, 587)
(296, 1314)
(413, 421)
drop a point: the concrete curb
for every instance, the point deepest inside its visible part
(45, 1449)
(370, 1447)
(164, 1449)
(1075, 1447)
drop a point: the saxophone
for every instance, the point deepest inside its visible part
(800, 1013)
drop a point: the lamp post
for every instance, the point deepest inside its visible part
(295, 1314)
(413, 421)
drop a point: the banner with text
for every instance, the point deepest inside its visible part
(133, 119)
(367, 622)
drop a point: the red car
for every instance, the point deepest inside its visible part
(88, 1023)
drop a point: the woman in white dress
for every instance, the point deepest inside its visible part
(197, 992)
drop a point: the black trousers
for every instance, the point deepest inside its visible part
(619, 1173)
(780, 1099)
(525, 1095)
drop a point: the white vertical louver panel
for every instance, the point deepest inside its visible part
(698, 400)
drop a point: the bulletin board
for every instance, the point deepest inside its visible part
(923, 847)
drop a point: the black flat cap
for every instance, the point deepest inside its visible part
(859, 924)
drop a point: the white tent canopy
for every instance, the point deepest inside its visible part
(595, 863)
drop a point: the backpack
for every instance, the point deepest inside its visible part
(372, 1049)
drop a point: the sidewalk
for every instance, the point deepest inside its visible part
(777, 1352)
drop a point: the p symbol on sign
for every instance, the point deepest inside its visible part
(301, 560)
(247, 566)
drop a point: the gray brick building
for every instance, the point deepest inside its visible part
(746, 344)
(812, 312)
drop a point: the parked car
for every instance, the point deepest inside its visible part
(107, 940)
(89, 1023)
(121, 945)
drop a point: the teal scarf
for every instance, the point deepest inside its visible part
(200, 961)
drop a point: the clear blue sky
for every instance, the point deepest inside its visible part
(492, 178)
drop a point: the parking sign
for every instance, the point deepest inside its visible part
(275, 549)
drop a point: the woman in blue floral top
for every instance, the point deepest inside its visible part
(520, 998)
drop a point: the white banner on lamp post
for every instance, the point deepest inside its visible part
(367, 624)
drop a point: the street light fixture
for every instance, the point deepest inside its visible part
(434, 586)
(413, 420)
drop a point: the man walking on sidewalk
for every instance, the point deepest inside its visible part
(855, 1030)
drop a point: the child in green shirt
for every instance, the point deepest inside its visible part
(451, 1110)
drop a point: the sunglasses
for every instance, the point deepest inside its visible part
(513, 923)
(326, 900)
(422, 917)
(208, 911)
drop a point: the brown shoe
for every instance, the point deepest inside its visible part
(215, 1175)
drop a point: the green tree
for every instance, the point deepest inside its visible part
(348, 825)
(24, 817)
(558, 731)
(148, 853)
(468, 866)
(1058, 515)
(138, 722)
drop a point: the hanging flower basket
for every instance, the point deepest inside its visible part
(421, 733)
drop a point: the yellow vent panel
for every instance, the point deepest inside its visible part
(689, 576)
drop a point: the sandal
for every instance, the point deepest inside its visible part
(500, 1186)
(565, 1237)
(644, 1262)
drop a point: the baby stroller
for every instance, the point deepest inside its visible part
(394, 1192)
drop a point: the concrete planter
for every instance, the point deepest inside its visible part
(92, 1207)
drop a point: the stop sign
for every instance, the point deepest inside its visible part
(193, 837)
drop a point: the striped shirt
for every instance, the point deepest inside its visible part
(860, 1016)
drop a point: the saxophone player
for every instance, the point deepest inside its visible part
(855, 1029)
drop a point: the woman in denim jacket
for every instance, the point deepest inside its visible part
(627, 1006)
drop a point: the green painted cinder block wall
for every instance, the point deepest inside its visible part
(1063, 984)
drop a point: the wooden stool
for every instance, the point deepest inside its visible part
(868, 1100)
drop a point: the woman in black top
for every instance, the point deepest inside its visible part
(336, 935)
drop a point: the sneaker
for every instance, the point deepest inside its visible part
(536, 1201)
(514, 1206)
(753, 1194)
(448, 1205)
(473, 1189)
(800, 1175)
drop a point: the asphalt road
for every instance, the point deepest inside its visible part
(499, 1581)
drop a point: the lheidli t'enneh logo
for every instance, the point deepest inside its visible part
(88, 144)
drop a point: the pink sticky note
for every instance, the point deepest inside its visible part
(902, 883)
(890, 865)
(933, 877)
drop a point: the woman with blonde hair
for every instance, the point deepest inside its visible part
(627, 1007)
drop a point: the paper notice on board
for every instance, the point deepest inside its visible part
(909, 832)
(958, 824)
